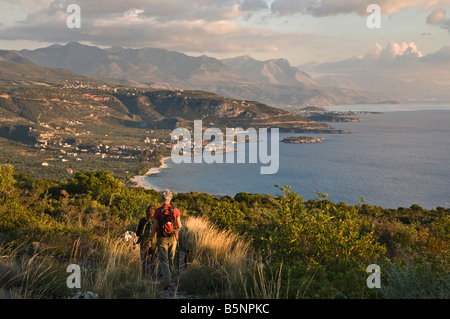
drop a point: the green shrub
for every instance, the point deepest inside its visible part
(226, 215)
(100, 185)
(319, 236)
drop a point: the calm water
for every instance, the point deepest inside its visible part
(398, 158)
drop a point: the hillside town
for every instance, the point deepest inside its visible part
(72, 149)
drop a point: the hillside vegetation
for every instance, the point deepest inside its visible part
(90, 103)
(246, 246)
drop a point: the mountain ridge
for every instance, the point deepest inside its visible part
(32, 94)
(274, 71)
(271, 82)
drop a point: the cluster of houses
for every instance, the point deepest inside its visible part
(77, 153)
(85, 85)
(99, 87)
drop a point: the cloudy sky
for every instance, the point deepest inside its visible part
(302, 31)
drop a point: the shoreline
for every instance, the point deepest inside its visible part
(141, 181)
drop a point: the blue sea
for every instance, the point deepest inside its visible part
(394, 159)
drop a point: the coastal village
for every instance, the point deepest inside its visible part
(66, 149)
(70, 149)
(65, 143)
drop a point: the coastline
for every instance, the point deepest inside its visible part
(141, 181)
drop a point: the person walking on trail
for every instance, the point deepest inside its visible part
(166, 223)
(148, 253)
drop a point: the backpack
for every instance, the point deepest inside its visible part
(147, 229)
(144, 234)
(168, 222)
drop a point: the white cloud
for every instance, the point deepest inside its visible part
(187, 10)
(392, 54)
(396, 61)
(185, 35)
(194, 25)
(396, 50)
(398, 68)
(191, 25)
(394, 57)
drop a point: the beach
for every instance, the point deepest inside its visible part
(142, 181)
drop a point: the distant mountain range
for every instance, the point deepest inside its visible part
(270, 72)
(274, 82)
(33, 95)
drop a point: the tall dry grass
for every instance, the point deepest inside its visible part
(263, 284)
(219, 257)
(223, 264)
(29, 276)
(212, 246)
(114, 271)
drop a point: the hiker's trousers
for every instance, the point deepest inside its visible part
(167, 247)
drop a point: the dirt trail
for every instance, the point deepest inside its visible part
(174, 291)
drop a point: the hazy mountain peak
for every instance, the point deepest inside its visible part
(115, 48)
(281, 60)
(75, 44)
(274, 71)
(56, 45)
(243, 57)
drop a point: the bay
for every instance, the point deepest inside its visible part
(395, 159)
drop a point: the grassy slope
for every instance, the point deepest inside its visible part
(249, 246)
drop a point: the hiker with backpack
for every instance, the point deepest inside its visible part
(166, 223)
(148, 253)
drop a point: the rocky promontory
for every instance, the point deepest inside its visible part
(302, 139)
